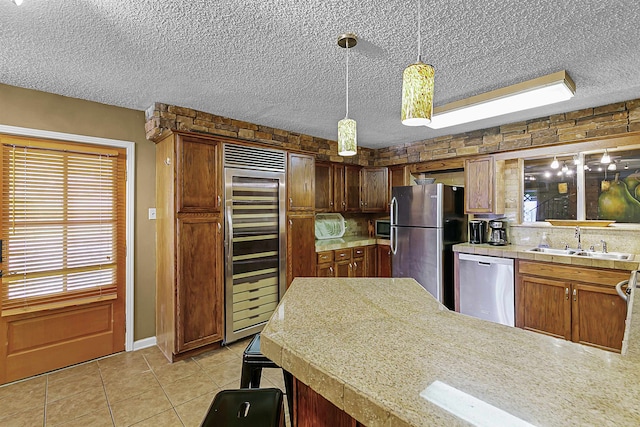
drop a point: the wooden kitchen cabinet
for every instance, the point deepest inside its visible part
(375, 187)
(189, 245)
(301, 246)
(324, 187)
(198, 175)
(384, 260)
(347, 262)
(371, 261)
(357, 262)
(484, 185)
(571, 302)
(352, 188)
(301, 182)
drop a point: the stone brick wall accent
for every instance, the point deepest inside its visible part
(162, 117)
(612, 119)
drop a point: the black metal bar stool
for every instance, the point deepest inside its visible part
(252, 363)
(261, 407)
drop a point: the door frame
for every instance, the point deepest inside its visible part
(130, 185)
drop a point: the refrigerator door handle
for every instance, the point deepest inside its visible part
(392, 209)
(393, 237)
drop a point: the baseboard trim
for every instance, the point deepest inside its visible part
(144, 343)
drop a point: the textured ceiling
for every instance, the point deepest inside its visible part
(277, 63)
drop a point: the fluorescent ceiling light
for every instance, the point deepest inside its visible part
(534, 93)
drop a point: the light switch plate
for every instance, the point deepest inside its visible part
(152, 213)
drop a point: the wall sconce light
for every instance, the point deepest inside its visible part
(565, 168)
(576, 159)
(555, 164)
(534, 93)
(605, 157)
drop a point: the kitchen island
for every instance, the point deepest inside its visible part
(371, 346)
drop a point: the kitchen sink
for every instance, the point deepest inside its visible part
(582, 253)
(551, 251)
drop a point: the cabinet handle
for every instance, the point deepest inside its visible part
(219, 227)
(290, 201)
(330, 203)
(575, 295)
(355, 265)
(290, 223)
(331, 270)
(219, 200)
(566, 293)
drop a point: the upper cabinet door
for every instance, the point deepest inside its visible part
(301, 182)
(483, 186)
(374, 189)
(198, 186)
(339, 202)
(324, 187)
(352, 188)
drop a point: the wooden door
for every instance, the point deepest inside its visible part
(324, 187)
(325, 270)
(598, 316)
(301, 182)
(370, 261)
(478, 179)
(546, 306)
(374, 189)
(343, 268)
(352, 188)
(301, 246)
(198, 183)
(384, 260)
(199, 287)
(339, 201)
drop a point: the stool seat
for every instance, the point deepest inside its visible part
(260, 407)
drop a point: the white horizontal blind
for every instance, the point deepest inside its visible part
(62, 221)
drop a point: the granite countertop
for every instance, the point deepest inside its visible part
(522, 252)
(370, 346)
(348, 242)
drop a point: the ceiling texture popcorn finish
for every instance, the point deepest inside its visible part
(274, 62)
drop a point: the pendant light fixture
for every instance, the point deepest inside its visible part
(347, 137)
(417, 90)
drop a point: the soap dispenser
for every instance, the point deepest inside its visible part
(544, 241)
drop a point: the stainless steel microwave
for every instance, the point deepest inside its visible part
(383, 228)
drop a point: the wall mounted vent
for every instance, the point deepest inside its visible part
(255, 158)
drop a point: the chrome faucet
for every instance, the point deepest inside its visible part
(577, 236)
(604, 246)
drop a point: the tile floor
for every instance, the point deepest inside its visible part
(138, 388)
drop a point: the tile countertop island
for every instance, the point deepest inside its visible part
(371, 346)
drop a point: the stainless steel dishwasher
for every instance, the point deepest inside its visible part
(487, 288)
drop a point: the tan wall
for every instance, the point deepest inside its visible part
(45, 111)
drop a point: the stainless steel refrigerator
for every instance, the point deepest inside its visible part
(426, 221)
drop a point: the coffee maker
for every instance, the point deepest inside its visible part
(477, 231)
(498, 232)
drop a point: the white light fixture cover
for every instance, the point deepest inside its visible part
(555, 164)
(605, 158)
(417, 90)
(534, 93)
(17, 2)
(347, 135)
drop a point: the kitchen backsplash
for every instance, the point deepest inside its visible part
(618, 239)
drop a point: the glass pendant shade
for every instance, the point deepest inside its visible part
(417, 94)
(347, 138)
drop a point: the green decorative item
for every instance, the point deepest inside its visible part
(615, 202)
(417, 94)
(347, 138)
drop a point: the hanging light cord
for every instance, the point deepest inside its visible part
(346, 115)
(419, 40)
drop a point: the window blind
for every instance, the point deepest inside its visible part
(63, 224)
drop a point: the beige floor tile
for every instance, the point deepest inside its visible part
(28, 418)
(216, 357)
(189, 388)
(238, 347)
(72, 385)
(175, 371)
(128, 386)
(90, 368)
(226, 373)
(22, 396)
(165, 419)
(77, 405)
(273, 377)
(192, 413)
(124, 364)
(154, 357)
(101, 418)
(140, 407)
